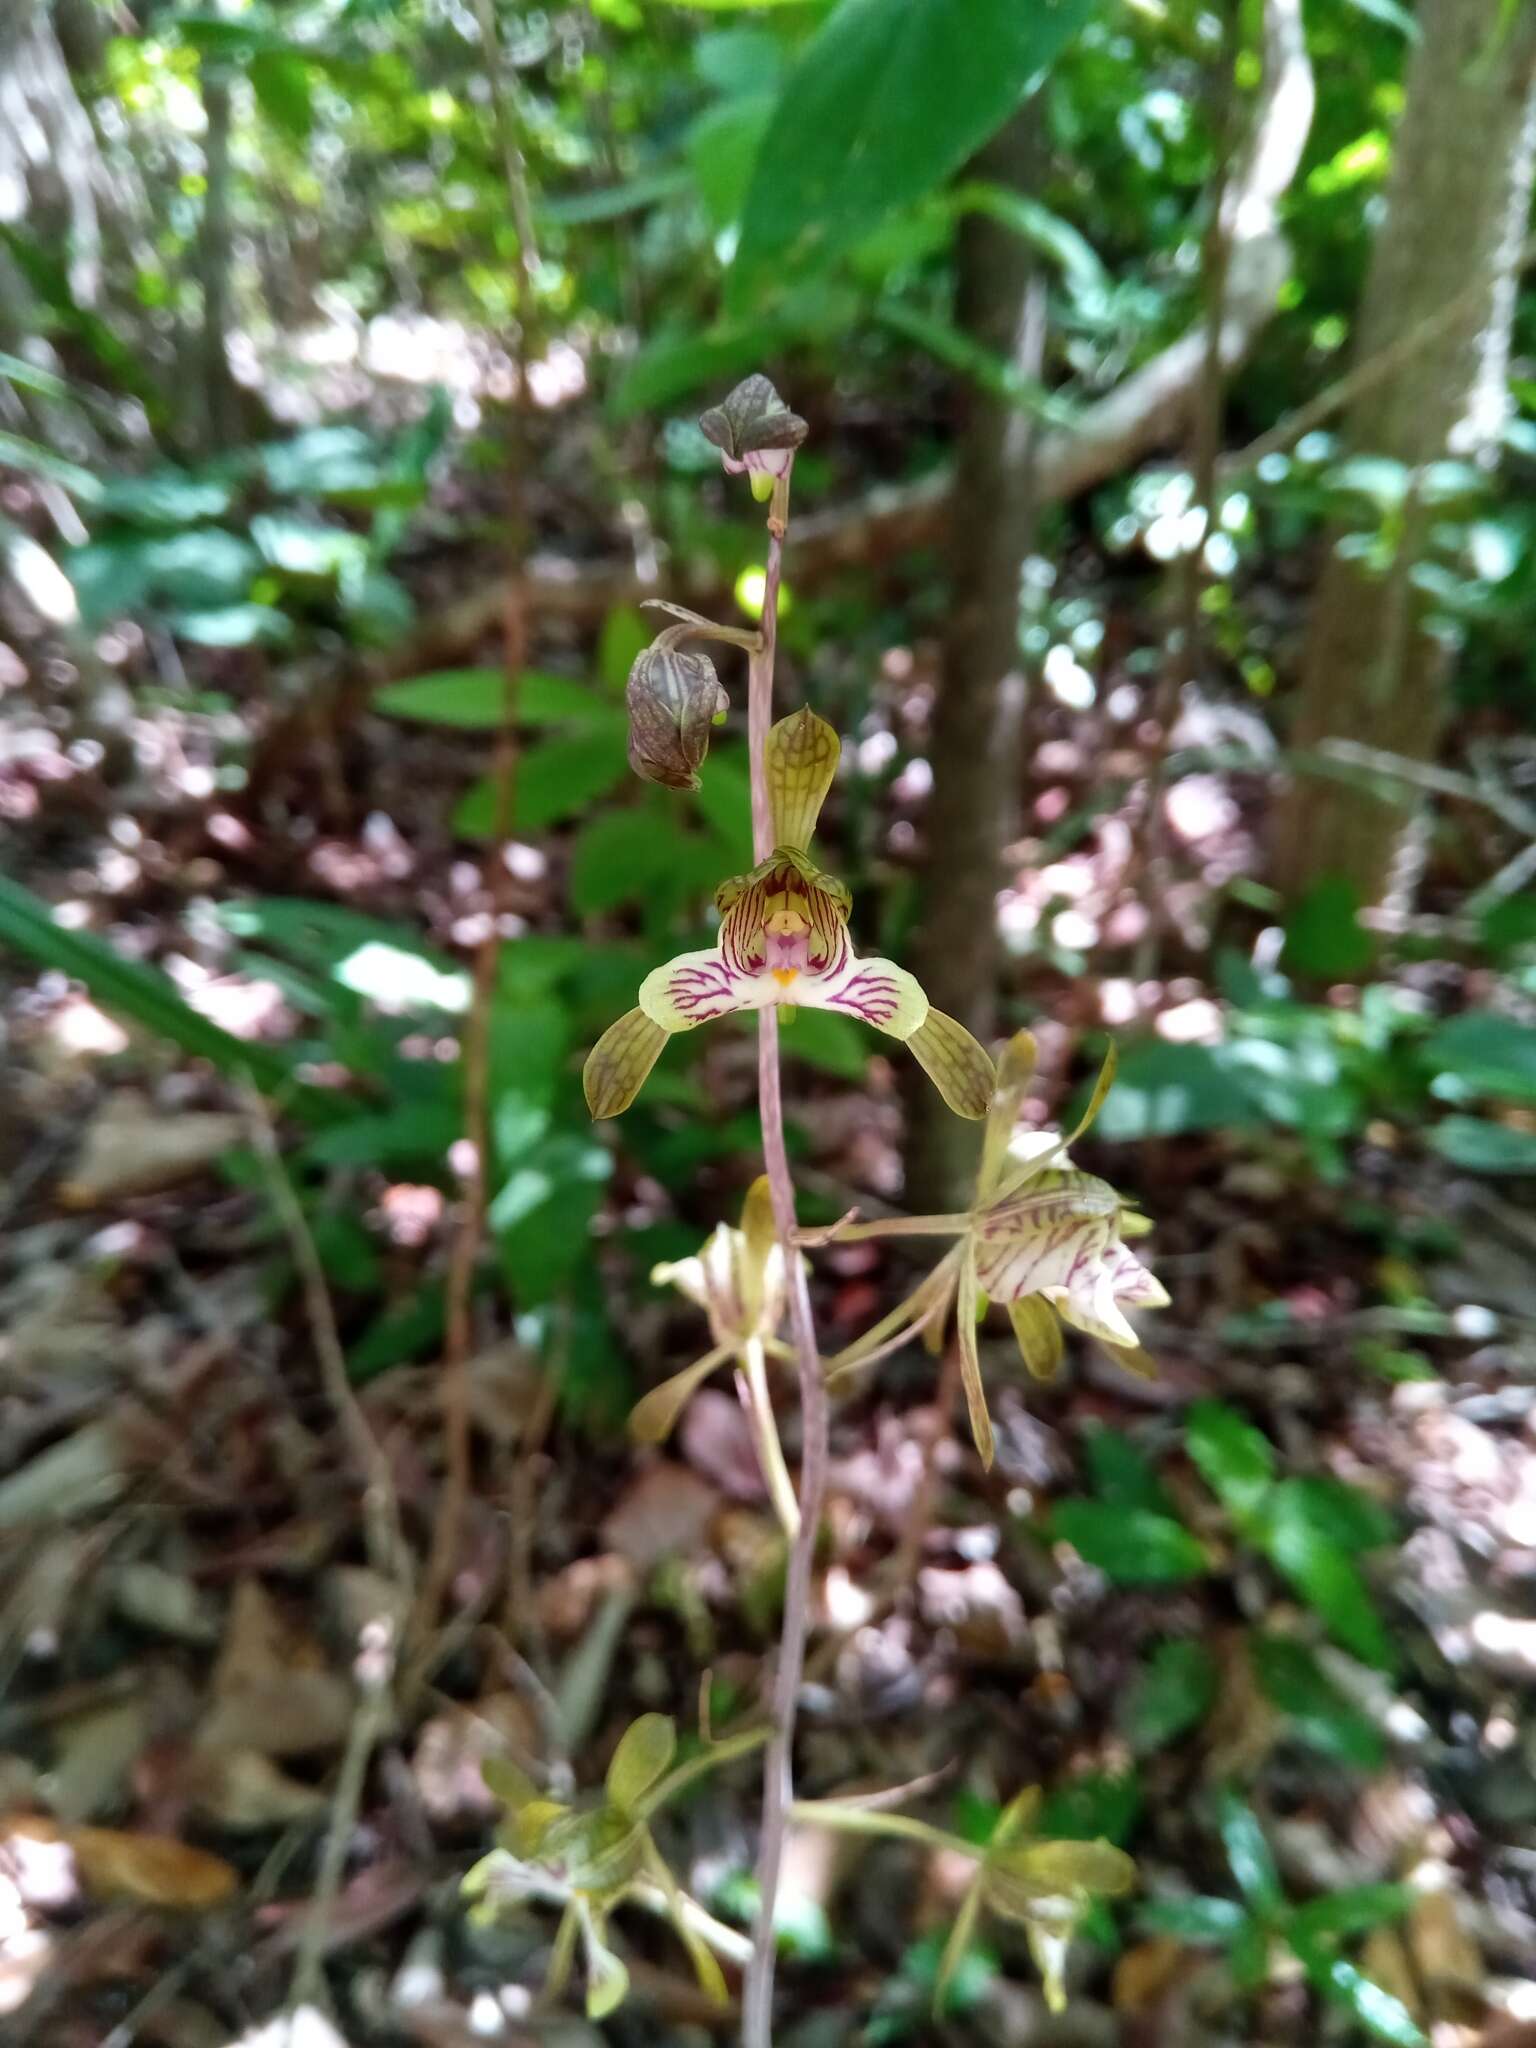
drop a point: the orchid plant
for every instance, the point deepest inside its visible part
(1041, 1237)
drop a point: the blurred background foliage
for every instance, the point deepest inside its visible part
(259, 334)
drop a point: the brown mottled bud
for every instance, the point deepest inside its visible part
(674, 698)
(754, 429)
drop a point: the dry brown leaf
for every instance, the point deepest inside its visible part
(665, 1511)
(129, 1148)
(1145, 1973)
(240, 1790)
(1384, 1960)
(453, 1745)
(271, 1690)
(566, 1601)
(151, 1870)
(1243, 1727)
(1448, 1961)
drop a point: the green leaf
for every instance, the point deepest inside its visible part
(1324, 939)
(722, 146)
(1131, 1546)
(232, 625)
(884, 103)
(1099, 1803)
(1215, 1921)
(165, 498)
(834, 1044)
(1120, 1473)
(473, 699)
(1345, 1514)
(1325, 1576)
(555, 779)
(1163, 1090)
(1355, 1910)
(1042, 229)
(1174, 1692)
(644, 1756)
(618, 857)
(1236, 1460)
(1248, 1853)
(626, 631)
(1290, 1678)
(1342, 1984)
(16, 452)
(1484, 1147)
(281, 82)
(1483, 1053)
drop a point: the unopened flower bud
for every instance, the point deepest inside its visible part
(755, 431)
(674, 697)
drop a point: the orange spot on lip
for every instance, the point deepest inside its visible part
(784, 975)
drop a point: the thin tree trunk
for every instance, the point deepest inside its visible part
(221, 405)
(978, 719)
(1457, 205)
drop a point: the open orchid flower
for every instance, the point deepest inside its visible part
(593, 1857)
(1046, 1886)
(738, 1279)
(1040, 1237)
(784, 941)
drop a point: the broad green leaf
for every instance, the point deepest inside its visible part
(1378, 2011)
(281, 82)
(555, 779)
(1325, 1576)
(1483, 1052)
(643, 1757)
(618, 857)
(1131, 1546)
(473, 699)
(1346, 1514)
(884, 103)
(1484, 1147)
(1236, 1460)
(1037, 225)
(232, 625)
(1174, 1691)
(1248, 1853)
(722, 148)
(1082, 1809)
(834, 1044)
(1324, 939)
(1290, 1678)
(1120, 1473)
(1163, 1090)
(1216, 1921)
(1356, 1910)
(165, 498)
(17, 452)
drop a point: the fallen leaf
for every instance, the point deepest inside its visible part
(452, 1747)
(1145, 1973)
(131, 1148)
(271, 1690)
(151, 1870)
(665, 1511)
(243, 1791)
(1447, 1960)
(566, 1601)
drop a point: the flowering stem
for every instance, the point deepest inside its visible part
(757, 1992)
(765, 1435)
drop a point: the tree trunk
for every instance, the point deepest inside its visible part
(1457, 205)
(221, 402)
(978, 718)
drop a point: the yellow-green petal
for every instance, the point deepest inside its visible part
(1039, 1333)
(1032, 1871)
(800, 760)
(652, 1418)
(967, 1300)
(954, 1062)
(644, 1755)
(607, 1978)
(1015, 1069)
(760, 1236)
(620, 1062)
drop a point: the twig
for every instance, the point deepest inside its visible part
(382, 1531)
(757, 1992)
(459, 1315)
(374, 1672)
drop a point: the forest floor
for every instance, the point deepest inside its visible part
(186, 1570)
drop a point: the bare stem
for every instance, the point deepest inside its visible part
(757, 1991)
